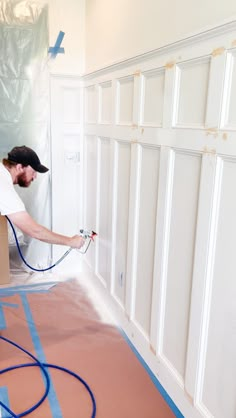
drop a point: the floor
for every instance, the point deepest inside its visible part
(60, 326)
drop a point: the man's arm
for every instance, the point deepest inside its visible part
(29, 226)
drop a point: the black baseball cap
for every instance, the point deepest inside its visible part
(26, 156)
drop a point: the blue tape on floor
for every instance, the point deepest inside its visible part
(35, 288)
(27, 286)
(23, 292)
(5, 400)
(9, 305)
(52, 397)
(2, 319)
(156, 382)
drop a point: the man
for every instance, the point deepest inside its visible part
(21, 167)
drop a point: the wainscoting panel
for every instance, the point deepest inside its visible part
(91, 104)
(125, 96)
(105, 110)
(104, 209)
(229, 117)
(159, 164)
(67, 156)
(182, 229)
(170, 118)
(153, 97)
(192, 77)
(121, 219)
(90, 189)
(147, 205)
(220, 362)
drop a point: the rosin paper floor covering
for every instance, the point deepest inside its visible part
(60, 326)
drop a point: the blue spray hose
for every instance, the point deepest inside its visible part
(25, 365)
(47, 268)
(37, 363)
(42, 367)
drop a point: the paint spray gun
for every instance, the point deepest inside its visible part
(87, 234)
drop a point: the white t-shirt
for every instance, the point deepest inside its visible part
(10, 201)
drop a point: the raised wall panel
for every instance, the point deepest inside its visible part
(146, 236)
(70, 176)
(66, 170)
(71, 144)
(105, 94)
(90, 191)
(182, 228)
(153, 98)
(220, 368)
(125, 95)
(192, 78)
(91, 104)
(105, 210)
(229, 103)
(71, 105)
(122, 175)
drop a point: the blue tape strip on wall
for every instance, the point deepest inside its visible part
(56, 49)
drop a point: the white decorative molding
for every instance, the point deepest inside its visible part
(228, 95)
(191, 102)
(152, 104)
(105, 103)
(194, 38)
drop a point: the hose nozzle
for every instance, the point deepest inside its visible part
(87, 234)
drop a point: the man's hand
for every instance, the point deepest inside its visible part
(77, 241)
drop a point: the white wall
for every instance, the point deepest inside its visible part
(117, 30)
(68, 16)
(100, 33)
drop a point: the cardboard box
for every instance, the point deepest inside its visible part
(4, 252)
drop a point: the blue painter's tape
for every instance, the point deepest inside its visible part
(52, 397)
(2, 319)
(156, 382)
(33, 288)
(56, 49)
(5, 400)
(10, 305)
(26, 286)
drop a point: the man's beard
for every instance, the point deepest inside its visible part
(21, 181)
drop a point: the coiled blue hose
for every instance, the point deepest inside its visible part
(24, 365)
(37, 362)
(42, 367)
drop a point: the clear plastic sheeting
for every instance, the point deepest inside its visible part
(15, 12)
(24, 104)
